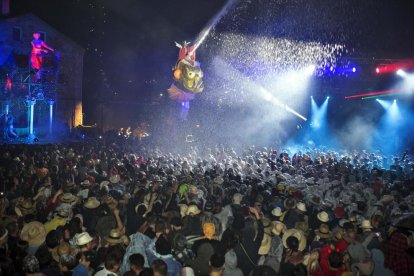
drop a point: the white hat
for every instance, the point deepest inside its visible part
(323, 216)
(366, 224)
(237, 198)
(277, 212)
(83, 238)
(115, 178)
(301, 206)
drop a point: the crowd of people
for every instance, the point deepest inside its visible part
(96, 208)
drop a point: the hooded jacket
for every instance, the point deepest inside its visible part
(379, 269)
(230, 265)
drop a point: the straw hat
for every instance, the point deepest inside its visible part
(323, 231)
(82, 238)
(218, 180)
(62, 249)
(267, 225)
(85, 183)
(280, 187)
(387, 199)
(115, 237)
(192, 210)
(91, 203)
(301, 207)
(297, 234)
(323, 216)
(278, 228)
(342, 222)
(237, 198)
(63, 214)
(277, 212)
(104, 183)
(315, 200)
(265, 245)
(34, 233)
(183, 209)
(115, 178)
(289, 203)
(25, 208)
(366, 224)
(67, 198)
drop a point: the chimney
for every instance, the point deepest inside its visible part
(5, 7)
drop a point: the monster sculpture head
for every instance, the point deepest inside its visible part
(188, 74)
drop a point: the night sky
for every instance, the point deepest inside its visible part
(130, 43)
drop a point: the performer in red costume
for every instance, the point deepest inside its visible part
(8, 84)
(38, 48)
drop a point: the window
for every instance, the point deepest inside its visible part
(17, 33)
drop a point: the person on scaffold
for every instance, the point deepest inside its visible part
(39, 47)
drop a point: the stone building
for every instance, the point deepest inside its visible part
(16, 34)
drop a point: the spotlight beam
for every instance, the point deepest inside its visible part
(391, 91)
(260, 90)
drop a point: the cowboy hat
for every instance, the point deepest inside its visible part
(104, 183)
(265, 245)
(82, 238)
(115, 237)
(323, 216)
(342, 222)
(62, 249)
(34, 233)
(25, 208)
(218, 180)
(323, 231)
(297, 234)
(289, 203)
(278, 228)
(301, 207)
(267, 225)
(115, 178)
(67, 198)
(366, 224)
(91, 203)
(277, 212)
(237, 198)
(85, 183)
(192, 210)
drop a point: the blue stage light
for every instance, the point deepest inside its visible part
(353, 69)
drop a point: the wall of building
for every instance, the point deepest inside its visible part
(69, 89)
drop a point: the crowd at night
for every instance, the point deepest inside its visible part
(206, 138)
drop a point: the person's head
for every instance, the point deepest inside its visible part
(36, 35)
(160, 227)
(335, 259)
(147, 272)
(263, 270)
(209, 230)
(86, 258)
(113, 261)
(217, 262)
(67, 262)
(136, 261)
(30, 265)
(6, 266)
(53, 239)
(159, 267)
(292, 243)
(163, 246)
